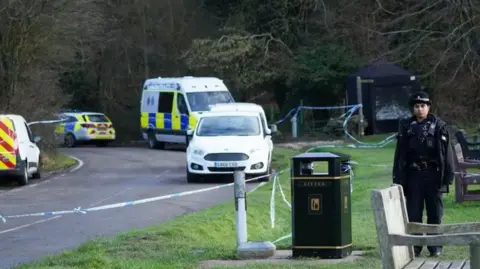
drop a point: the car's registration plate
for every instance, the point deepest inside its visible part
(226, 164)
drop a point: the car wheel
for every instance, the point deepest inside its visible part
(269, 172)
(69, 141)
(191, 177)
(23, 177)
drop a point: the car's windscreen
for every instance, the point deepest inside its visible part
(229, 126)
(201, 101)
(97, 118)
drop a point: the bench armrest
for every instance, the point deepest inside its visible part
(469, 164)
(473, 144)
(459, 239)
(469, 227)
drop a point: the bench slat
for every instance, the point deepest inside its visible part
(429, 264)
(444, 265)
(415, 264)
(458, 264)
(433, 264)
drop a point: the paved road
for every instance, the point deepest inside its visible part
(108, 176)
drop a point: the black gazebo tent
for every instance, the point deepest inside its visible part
(385, 97)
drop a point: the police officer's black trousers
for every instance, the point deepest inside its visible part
(422, 191)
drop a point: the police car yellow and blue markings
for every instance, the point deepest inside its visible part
(74, 127)
(68, 127)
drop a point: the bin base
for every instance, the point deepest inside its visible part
(321, 253)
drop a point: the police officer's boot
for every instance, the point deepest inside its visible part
(435, 251)
(417, 250)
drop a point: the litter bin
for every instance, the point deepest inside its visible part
(321, 205)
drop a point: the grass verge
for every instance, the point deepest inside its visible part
(55, 161)
(210, 234)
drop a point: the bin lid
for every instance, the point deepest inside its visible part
(321, 155)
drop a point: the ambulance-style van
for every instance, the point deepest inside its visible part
(19, 153)
(171, 106)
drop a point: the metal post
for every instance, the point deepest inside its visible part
(294, 126)
(239, 189)
(360, 101)
(474, 256)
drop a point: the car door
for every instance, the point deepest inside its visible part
(183, 113)
(164, 120)
(33, 152)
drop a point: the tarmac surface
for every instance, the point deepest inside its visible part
(103, 176)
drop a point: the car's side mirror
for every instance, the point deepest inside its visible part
(189, 132)
(36, 139)
(273, 128)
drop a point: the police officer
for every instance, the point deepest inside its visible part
(423, 164)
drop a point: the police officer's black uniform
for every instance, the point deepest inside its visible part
(423, 165)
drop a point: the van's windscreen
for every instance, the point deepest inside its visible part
(200, 101)
(97, 118)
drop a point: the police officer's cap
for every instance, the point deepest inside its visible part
(419, 97)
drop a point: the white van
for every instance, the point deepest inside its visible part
(171, 106)
(19, 154)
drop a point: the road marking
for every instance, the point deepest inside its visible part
(79, 164)
(28, 225)
(109, 197)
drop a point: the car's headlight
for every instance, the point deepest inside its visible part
(198, 152)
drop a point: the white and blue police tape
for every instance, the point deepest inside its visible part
(352, 109)
(122, 204)
(45, 122)
(276, 182)
(272, 202)
(294, 111)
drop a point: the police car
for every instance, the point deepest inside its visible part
(80, 127)
(170, 106)
(225, 141)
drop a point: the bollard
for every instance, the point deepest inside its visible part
(294, 126)
(246, 250)
(240, 206)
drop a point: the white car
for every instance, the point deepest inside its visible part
(19, 153)
(225, 141)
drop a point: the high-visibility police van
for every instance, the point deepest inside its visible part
(171, 106)
(19, 153)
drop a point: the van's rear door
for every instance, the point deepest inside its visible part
(8, 158)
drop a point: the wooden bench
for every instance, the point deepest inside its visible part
(463, 179)
(471, 150)
(396, 242)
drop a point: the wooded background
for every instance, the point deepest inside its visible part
(95, 55)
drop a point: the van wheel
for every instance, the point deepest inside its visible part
(37, 174)
(23, 177)
(153, 143)
(69, 141)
